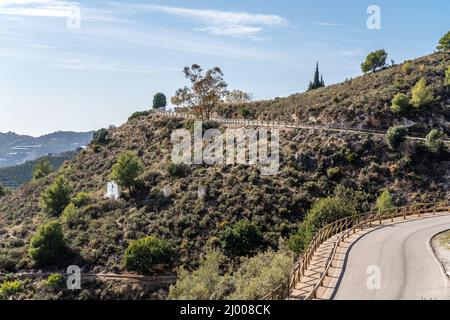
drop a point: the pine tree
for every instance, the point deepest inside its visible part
(318, 80)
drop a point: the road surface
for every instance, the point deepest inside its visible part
(397, 263)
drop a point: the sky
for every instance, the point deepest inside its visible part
(81, 66)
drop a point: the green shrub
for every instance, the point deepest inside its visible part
(144, 254)
(47, 244)
(101, 137)
(126, 170)
(261, 274)
(56, 197)
(54, 280)
(395, 136)
(422, 95)
(178, 170)
(406, 68)
(447, 76)
(384, 201)
(138, 114)
(334, 173)
(9, 289)
(82, 199)
(434, 141)
(70, 215)
(3, 191)
(203, 283)
(323, 212)
(42, 169)
(400, 103)
(241, 239)
(244, 112)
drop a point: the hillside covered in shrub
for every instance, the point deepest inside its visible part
(243, 213)
(364, 102)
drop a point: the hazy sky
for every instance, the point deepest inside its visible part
(55, 76)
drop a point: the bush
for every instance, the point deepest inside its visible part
(400, 103)
(138, 114)
(395, 136)
(374, 61)
(82, 199)
(447, 76)
(323, 212)
(261, 274)
(54, 280)
(101, 137)
(444, 43)
(47, 244)
(434, 141)
(56, 197)
(3, 191)
(334, 173)
(241, 239)
(422, 95)
(384, 201)
(126, 170)
(406, 68)
(41, 170)
(144, 254)
(178, 170)
(201, 284)
(9, 289)
(244, 111)
(70, 215)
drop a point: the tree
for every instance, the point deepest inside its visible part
(422, 95)
(144, 254)
(374, 61)
(238, 96)
(159, 101)
(318, 80)
(3, 191)
(42, 169)
(444, 43)
(400, 103)
(206, 91)
(241, 239)
(56, 197)
(434, 141)
(384, 201)
(101, 136)
(126, 170)
(395, 136)
(47, 244)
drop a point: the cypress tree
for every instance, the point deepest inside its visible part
(318, 80)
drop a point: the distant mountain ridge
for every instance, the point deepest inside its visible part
(17, 149)
(15, 176)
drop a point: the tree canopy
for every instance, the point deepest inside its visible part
(159, 101)
(206, 91)
(374, 61)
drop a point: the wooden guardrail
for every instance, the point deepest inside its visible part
(344, 228)
(290, 125)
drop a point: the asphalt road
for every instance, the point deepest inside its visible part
(395, 262)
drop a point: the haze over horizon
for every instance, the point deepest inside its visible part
(56, 78)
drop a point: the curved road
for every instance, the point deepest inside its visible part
(402, 257)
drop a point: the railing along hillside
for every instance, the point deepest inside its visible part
(291, 125)
(344, 228)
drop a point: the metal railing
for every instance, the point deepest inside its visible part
(344, 228)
